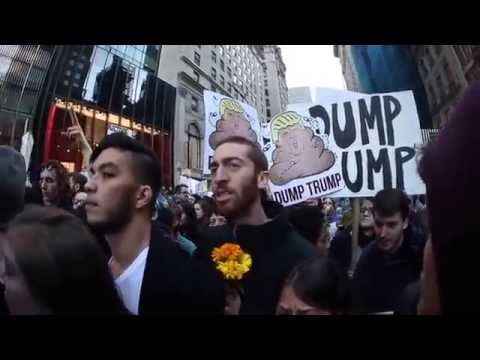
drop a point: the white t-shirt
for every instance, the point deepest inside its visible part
(129, 283)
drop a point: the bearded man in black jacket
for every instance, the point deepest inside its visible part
(239, 177)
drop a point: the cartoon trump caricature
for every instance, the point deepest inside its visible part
(299, 153)
(233, 122)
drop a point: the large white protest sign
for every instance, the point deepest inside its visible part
(373, 138)
(226, 117)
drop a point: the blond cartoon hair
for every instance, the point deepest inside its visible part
(230, 104)
(283, 121)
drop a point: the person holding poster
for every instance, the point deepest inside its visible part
(239, 177)
(341, 245)
(392, 261)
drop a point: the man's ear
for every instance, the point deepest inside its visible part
(405, 224)
(144, 196)
(262, 180)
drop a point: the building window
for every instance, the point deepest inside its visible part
(266, 92)
(267, 102)
(269, 113)
(193, 147)
(197, 58)
(194, 104)
(214, 57)
(229, 58)
(229, 71)
(234, 79)
(196, 76)
(222, 65)
(199, 46)
(222, 81)
(220, 50)
(214, 73)
(229, 87)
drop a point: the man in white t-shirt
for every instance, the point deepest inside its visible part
(153, 275)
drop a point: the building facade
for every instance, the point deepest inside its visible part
(446, 70)
(276, 90)
(344, 53)
(298, 95)
(237, 71)
(23, 69)
(385, 68)
(106, 88)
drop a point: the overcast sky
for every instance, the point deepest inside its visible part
(312, 65)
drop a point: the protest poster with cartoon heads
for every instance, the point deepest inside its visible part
(226, 117)
(301, 165)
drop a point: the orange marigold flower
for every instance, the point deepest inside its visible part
(231, 261)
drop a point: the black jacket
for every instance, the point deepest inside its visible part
(176, 284)
(275, 249)
(341, 247)
(3, 303)
(408, 301)
(380, 279)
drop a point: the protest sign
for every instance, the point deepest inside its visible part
(373, 139)
(226, 117)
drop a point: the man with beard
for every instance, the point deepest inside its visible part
(153, 275)
(341, 245)
(239, 177)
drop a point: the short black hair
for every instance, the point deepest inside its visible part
(145, 163)
(79, 179)
(388, 202)
(179, 187)
(255, 153)
(307, 220)
(320, 282)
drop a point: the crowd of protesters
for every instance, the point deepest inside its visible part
(113, 242)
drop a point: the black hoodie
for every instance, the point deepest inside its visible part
(275, 247)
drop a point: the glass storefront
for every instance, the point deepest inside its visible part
(109, 88)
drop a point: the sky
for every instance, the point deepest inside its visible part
(312, 65)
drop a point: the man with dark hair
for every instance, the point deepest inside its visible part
(309, 222)
(77, 182)
(182, 190)
(239, 174)
(392, 261)
(152, 274)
